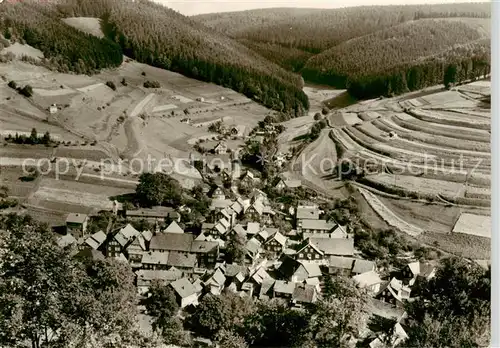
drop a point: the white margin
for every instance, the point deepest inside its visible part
(495, 172)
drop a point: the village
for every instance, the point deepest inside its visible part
(241, 248)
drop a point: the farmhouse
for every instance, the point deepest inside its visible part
(76, 224)
(96, 240)
(308, 251)
(319, 226)
(309, 211)
(393, 292)
(145, 277)
(334, 246)
(185, 292)
(369, 280)
(220, 148)
(412, 271)
(155, 260)
(276, 243)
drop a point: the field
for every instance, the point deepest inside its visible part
(428, 155)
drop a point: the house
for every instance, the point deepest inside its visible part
(120, 240)
(253, 248)
(95, 241)
(393, 292)
(283, 289)
(304, 294)
(369, 280)
(218, 193)
(247, 289)
(255, 210)
(275, 244)
(200, 99)
(413, 270)
(259, 276)
(340, 266)
(53, 109)
(266, 289)
(252, 228)
(146, 277)
(173, 228)
(206, 252)
(309, 251)
(363, 266)
(220, 148)
(182, 261)
(153, 215)
(305, 226)
(185, 292)
(135, 250)
(334, 246)
(215, 284)
(298, 272)
(172, 242)
(155, 260)
(398, 336)
(248, 178)
(76, 224)
(288, 184)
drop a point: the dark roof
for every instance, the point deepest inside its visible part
(288, 267)
(91, 254)
(172, 242)
(304, 293)
(340, 262)
(233, 269)
(155, 212)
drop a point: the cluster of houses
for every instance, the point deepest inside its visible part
(286, 266)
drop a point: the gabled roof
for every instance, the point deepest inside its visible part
(258, 206)
(313, 281)
(126, 234)
(265, 287)
(147, 235)
(253, 246)
(263, 234)
(237, 207)
(76, 218)
(220, 228)
(312, 269)
(423, 269)
(233, 269)
(179, 259)
(369, 278)
(362, 266)
(334, 246)
(341, 262)
(138, 241)
(288, 267)
(308, 242)
(304, 293)
(284, 287)
(155, 258)
(217, 278)
(99, 236)
(183, 287)
(323, 225)
(253, 227)
(238, 228)
(173, 228)
(172, 242)
(281, 239)
(260, 275)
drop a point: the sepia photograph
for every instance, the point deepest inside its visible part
(248, 174)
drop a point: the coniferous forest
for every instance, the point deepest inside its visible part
(371, 51)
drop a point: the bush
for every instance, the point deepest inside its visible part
(317, 116)
(111, 85)
(12, 84)
(124, 82)
(27, 91)
(325, 110)
(151, 84)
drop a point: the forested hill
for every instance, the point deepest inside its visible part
(396, 50)
(366, 49)
(155, 35)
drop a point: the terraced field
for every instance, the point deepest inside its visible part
(429, 152)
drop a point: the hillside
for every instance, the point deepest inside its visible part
(175, 42)
(400, 48)
(328, 46)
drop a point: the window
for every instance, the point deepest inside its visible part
(317, 256)
(301, 255)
